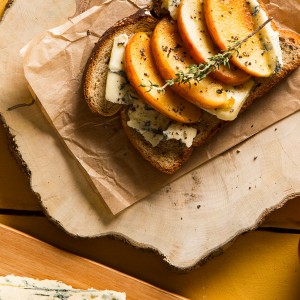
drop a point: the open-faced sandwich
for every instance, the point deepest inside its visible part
(176, 73)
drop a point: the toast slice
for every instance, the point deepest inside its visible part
(169, 155)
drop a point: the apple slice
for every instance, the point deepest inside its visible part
(171, 57)
(230, 21)
(197, 40)
(141, 71)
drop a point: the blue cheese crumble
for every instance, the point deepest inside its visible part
(180, 132)
(16, 287)
(117, 89)
(156, 127)
(148, 122)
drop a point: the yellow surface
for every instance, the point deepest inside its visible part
(2, 6)
(259, 265)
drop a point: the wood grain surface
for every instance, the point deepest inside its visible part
(25, 256)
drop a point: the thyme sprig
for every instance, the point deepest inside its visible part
(200, 71)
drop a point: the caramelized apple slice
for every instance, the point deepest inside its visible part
(141, 72)
(230, 21)
(197, 40)
(171, 57)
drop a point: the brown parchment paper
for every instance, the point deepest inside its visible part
(54, 64)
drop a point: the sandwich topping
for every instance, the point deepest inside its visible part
(239, 94)
(156, 127)
(117, 90)
(231, 21)
(269, 36)
(148, 122)
(172, 7)
(153, 125)
(152, 111)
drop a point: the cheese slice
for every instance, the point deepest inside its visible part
(155, 127)
(239, 94)
(23, 288)
(148, 122)
(182, 133)
(268, 34)
(116, 62)
(117, 89)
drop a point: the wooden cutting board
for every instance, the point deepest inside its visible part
(23, 255)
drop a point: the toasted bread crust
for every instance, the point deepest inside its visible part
(169, 156)
(94, 78)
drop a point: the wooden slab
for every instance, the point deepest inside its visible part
(188, 220)
(24, 255)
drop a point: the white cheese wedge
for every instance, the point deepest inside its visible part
(116, 90)
(172, 7)
(268, 34)
(181, 132)
(116, 62)
(239, 94)
(15, 287)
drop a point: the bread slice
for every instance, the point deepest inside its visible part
(94, 78)
(169, 155)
